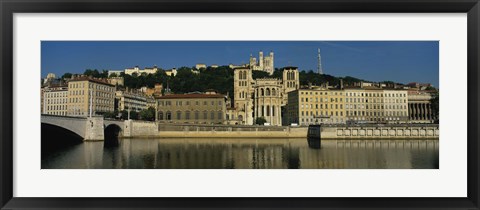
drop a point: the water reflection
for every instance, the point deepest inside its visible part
(248, 154)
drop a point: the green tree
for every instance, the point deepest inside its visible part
(67, 76)
(148, 114)
(88, 72)
(260, 121)
(260, 74)
(104, 74)
(109, 115)
(113, 75)
(134, 115)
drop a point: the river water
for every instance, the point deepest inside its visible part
(247, 154)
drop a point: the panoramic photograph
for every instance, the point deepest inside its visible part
(239, 104)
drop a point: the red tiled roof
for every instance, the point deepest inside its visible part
(91, 80)
(174, 96)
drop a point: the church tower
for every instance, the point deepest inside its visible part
(261, 59)
(291, 80)
(243, 91)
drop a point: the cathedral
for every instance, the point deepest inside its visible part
(264, 63)
(262, 97)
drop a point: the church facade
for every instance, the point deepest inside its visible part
(263, 97)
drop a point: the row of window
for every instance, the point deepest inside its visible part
(387, 113)
(322, 93)
(307, 106)
(55, 94)
(187, 115)
(322, 100)
(96, 86)
(56, 101)
(321, 113)
(187, 103)
(355, 94)
(57, 107)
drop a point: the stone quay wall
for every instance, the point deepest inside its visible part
(366, 131)
(381, 131)
(229, 131)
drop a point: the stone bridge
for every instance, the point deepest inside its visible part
(89, 128)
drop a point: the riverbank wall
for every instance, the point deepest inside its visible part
(380, 131)
(364, 131)
(229, 131)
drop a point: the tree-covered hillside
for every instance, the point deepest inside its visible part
(219, 79)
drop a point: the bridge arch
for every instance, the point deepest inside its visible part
(111, 134)
(55, 137)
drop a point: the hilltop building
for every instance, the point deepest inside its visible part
(198, 66)
(138, 71)
(263, 63)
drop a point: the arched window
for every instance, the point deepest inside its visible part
(268, 91)
(169, 116)
(220, 115)
(205, 113)
(160, 115)
(240, 117)
(262, 92)
(179, 115)
(273, 110)
(268, 110)
(187, 115)
(273, 92)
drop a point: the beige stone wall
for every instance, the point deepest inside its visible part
(380, 132)
(395, 103)
(268, 100)
(192, 110)
(199, 131)
(79, 100)
(243, 89)
(55, 101)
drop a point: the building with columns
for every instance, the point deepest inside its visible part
(420, 108)
(261, 97)
(268, 100)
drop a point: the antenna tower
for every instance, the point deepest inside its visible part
(319, 67)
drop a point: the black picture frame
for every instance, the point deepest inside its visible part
(10, 7)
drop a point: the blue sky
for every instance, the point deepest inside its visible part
(399, 61)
